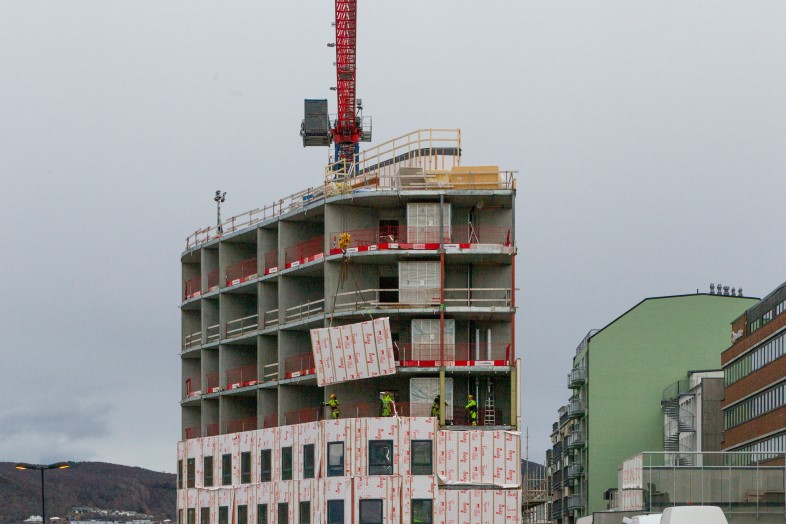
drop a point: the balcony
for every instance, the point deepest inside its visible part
(419, 237)
(575, 470)
(193, 432)
(463, 354)
(242, 376)
(575, 440)
(192, 288)
(192, 340)
(424, 297)
(211, 382)
(577, 378)
(193, 388)
(213, 333)
(299, 365)
(241, 272)
(574, 502)
(306, 310)
(304, 252)
(212, 280)
(241, 326)
(240, 424)
(576, 408)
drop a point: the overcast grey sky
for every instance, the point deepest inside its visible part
(649, 139)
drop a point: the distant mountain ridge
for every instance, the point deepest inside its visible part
(90, 484)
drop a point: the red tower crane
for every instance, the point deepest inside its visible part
(349, 127)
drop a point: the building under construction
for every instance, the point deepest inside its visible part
(415, 248)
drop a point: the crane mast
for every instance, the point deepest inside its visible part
(349, 127)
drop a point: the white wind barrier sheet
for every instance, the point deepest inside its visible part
(353, 351)
(418, 282)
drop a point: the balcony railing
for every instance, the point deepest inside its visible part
(462, 354)
(212, 280)
(576, 440)
(213, 333)
(241, 272)
(270, 421)
(211, 382)
(576, 408)
(423, 297)
(193, 432)
(405, 237)
(299, 365)
(193, 387)
(304, 252)
(240, 326)
(574, 502)
(192, 340)
(305, 310)
(575, 470)
(192, 287)
(270, 372)
(583, 344)
(271, 262)
(242, 376)
(240, 424)
(577, 377)
(212, 429)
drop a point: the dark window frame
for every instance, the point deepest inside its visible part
(180, 475)
(266, 465)
(226, 472)
(262, 513)
(191, 516)
(223, 515)
(365, 519)
(430, 512)
(191, 473)
(245, 467)
(335, 504)
(335, 470)
(208, 480)
(309, 468)
(304, 507)
(283, 511)
(419, 468)
(204, 512)
(286, 463)
(385, 468)
(242, 511)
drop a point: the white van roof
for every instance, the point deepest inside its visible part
(694, 515)
(646, 519)
(585, 520)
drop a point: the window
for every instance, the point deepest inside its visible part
(283, 513)
(180, 514)
(286, 463)
(305, 513)
(371, 511)
(226, 470)
(191, 516)
(191, 473)
(335, 452)
(308, 461)
(208, 473)
(380, 457)
(335, 512)
(223, 515)
(245, 467)
(204, 517)
(422, 457)
(265, 466)
(262, 513)
(242, 514)
(422, 511)
(180, 475)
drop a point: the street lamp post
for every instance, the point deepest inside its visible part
(42, 468)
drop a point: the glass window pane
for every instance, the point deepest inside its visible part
(223, 515)
(283, 513)
(208, 473)
(422, 511)
(380, 457)
(335, 459)
(265, 466)
(204, 516)
(305, 513)
(261, 513)
(242, 514)
(371, 511)
(335, 512)
(286, 463)
(191, 516)
(422, 457)
(245, 467)
(308, 461)
(226, 469)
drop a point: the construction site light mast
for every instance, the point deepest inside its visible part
(349, 127)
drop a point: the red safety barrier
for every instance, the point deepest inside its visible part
(192, 287)
(270, 421)
(461, 416)
(193, 387)
(212, 430)
(241, 272)
(420, 237)
(307, 251)
(212, 280)
(301, 416)
(372, 409)
(461, 354)
(240, 424)
(194, 432)
(271, 262)
(211, 382)
(299, 365)
(242, 376)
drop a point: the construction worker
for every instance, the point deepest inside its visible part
(435, 408)
(333, 404)
(387, 404)
(472, 410)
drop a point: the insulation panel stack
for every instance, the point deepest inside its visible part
(489, 458)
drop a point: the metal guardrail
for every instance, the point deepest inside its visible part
(240, 272)
(577, 377)
(270, 372)
(270, 318)
(422, 297)
(239, 326)
(576, 408)
(213, 333)
(192, 340)
(305, 310)
(585, 340)
(359, 238)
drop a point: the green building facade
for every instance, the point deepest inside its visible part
(618, 377)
